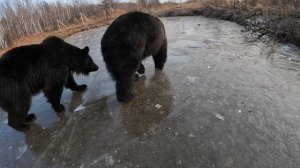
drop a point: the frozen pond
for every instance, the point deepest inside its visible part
(220, 102)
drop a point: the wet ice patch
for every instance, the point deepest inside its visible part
(79, 108)
(94, 162)
(192, 45)
(191, 78)
(107, 159)
(289, 51)
(21, 151)
(158, 106)
(191, 135)
(228, 162)
(178, 162)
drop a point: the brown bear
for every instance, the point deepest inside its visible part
(127, 41)
(46, 67)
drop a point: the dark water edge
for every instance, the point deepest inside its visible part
(283, 29)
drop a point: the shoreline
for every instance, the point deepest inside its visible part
(278, 28)
(285, 29)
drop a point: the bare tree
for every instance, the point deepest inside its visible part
(22, 18)
(145, 4)
(108, 7)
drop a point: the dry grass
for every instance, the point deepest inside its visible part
(282, 7)
(170, 6)
(65, 32)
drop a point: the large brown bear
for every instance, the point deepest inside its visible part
(47, 67)
(127, 41)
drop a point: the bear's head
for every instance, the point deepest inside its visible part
(85, 63)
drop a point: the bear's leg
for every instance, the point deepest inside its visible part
(17, 114)
(124, 88)
(53, 95)
(161, 57)
(71, 84)
(125, 80)
(17, 120)
(141, 69)
(54, 85)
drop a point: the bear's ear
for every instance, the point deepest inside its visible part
(86, 50)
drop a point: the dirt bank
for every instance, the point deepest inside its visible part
(284, 29)
(65, 31)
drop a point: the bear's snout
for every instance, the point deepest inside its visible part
(94, 68)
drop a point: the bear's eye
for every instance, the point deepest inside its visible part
(88, 60)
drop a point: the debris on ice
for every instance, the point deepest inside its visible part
(191, 78)
(191, 135)
(109, 161)
(218, 116)
(79, 108)
(158, 106)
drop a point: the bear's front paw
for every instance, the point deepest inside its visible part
(159, 67)
(59, 108)
(125, 98)
(30, 118)
(136, 77)
(81, 88)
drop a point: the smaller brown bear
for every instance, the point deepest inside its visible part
(46, 67)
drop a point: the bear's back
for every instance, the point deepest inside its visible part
(18, 62)
(131, 25)
(133, 31)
